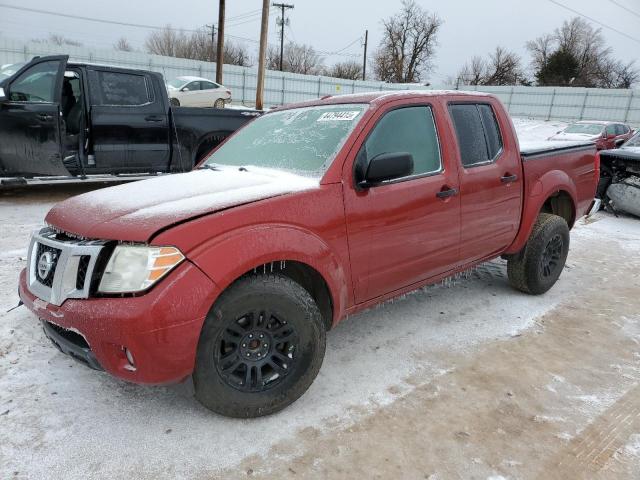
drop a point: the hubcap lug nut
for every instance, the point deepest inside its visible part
(244, 344)
(261, 336)
(250, 335)
(266, 345)
(248, 354)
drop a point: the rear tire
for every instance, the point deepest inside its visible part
(174, 102)
(261, 347)
(219, 103)
(537, 268)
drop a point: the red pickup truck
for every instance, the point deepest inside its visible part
(233, 273)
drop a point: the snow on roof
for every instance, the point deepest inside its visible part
(376, 96)
(188, 78)
(595, 122)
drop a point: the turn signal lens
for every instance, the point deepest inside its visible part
(133, 268)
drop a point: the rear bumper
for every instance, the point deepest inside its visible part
(160, 329)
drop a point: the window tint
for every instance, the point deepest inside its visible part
(37, 84)
(477, 132)
(620, 129)
(208, 85)
(410, 130)
(611, 130)
(491, 130)
(193, 86)
(473, 146)
(120, 89)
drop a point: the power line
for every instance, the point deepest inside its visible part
(595, 21)
(90, 19)
(339, 51)
(625, 8)
(246, 14)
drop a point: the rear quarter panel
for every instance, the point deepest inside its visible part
(572, 171)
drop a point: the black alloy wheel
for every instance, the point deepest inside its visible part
(256, 351)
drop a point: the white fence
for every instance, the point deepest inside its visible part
(564, 103)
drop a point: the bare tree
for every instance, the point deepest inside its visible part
(576, 54)
(502, 68)
(197, 46)
(123, 45)
(407, 48)
(59, 40)
(297, 58)
(349, 70)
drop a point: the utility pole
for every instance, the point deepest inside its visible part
(220, 52)
(282, 23)
(262, 54)
(364, 63)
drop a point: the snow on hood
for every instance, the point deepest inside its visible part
(135, 211)
(573, 137)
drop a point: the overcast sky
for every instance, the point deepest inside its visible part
(470, 27)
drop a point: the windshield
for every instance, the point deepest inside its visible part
(585, 128)
(7, 70)
(177, 83)
(633, 141)
(300, 140)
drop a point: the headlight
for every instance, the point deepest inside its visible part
(133, 268)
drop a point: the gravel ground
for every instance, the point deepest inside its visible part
(467, 380)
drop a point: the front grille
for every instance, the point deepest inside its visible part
(45, 266)
(62, 266)
(83, 266)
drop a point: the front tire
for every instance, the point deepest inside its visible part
(536, 269)
(260, 349)
(174, 102)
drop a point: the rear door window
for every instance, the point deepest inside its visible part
(411, 130)
(208, 85)
(120, 89)
(478, 133)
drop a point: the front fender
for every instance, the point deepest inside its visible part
(549, 184)
(226, 258)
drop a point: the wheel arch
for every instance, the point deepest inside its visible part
(554, 192)
(296, 253)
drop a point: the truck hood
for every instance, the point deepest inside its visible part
(136, 211)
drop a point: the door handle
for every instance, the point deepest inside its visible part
(153, 118)
(509, 178)
(45, 117)
(447, 192)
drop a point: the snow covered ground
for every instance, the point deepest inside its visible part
(60, 420)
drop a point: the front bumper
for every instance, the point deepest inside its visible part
(160, 329)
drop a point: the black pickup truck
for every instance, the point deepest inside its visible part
(70, 119)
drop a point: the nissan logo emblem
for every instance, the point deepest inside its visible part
(45, 264)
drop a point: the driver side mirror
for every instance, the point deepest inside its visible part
(387, 166)
(184, 89)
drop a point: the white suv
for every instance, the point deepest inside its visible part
(197, 92)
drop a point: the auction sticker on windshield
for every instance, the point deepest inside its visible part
(338, 116)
